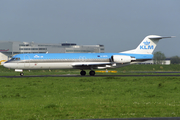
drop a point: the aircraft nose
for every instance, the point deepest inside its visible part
(6, 65)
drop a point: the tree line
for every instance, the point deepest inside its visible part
(159, 58)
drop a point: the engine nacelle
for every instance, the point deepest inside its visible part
(121, 58)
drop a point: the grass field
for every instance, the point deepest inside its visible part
(89, 97)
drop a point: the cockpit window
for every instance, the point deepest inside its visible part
(15, 59)
(12, 58)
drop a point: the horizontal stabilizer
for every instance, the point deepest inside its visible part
(159, 37)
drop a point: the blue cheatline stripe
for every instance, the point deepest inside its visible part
(79, 55)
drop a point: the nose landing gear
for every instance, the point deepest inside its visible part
(21, 74)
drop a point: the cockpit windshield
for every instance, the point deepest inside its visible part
(12, 59)
(15, 59)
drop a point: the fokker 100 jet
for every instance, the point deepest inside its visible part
(84, 61)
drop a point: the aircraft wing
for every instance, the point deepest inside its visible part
(86, 65)
(90, 64)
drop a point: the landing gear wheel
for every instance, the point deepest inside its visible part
(83, 73)
(92, 73)
(21, 74)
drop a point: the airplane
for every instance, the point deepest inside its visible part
(84, 61)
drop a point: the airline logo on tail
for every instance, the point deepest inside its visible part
(146, 46)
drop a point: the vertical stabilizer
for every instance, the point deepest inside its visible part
(148, 45)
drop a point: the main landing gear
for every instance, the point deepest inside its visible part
(83, 73)
(91, 73)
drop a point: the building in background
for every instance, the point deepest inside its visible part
(11, 48)
(167, 61)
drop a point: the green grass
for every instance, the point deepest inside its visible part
(89, 97)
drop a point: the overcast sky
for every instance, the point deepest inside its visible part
(117, 24)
